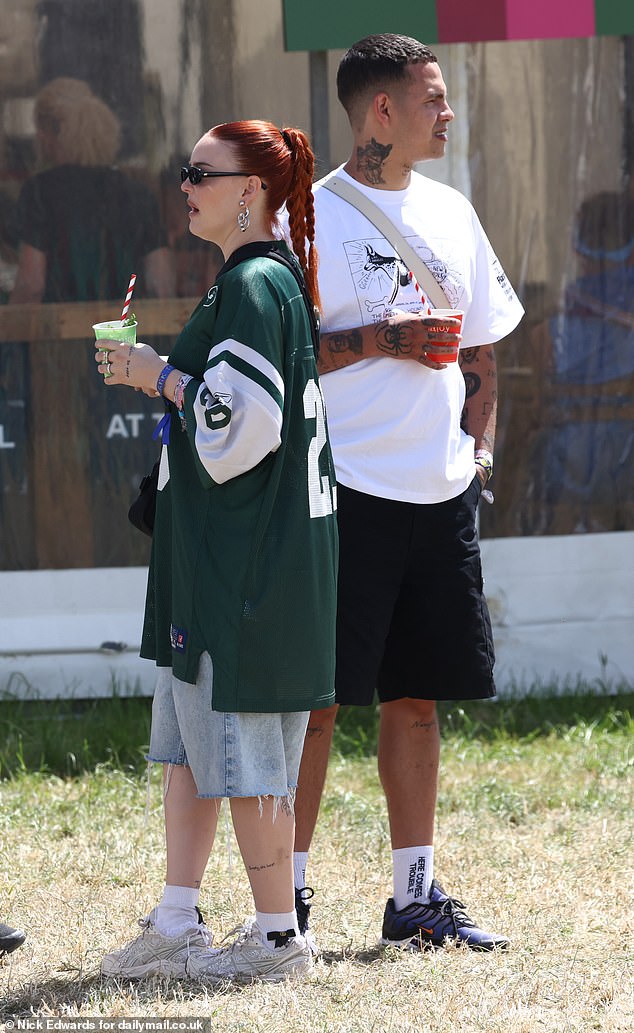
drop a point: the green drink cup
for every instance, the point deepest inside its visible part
(116, 330)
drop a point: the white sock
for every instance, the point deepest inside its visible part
(413, 871)
(177, 910)
(300, 862)
(270, 924)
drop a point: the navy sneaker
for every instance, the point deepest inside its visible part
(10, 939)
(443, 919)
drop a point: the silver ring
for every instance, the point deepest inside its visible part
(108, 366)
(104, 356)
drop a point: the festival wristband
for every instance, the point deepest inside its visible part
(162, 377)
(179, 390)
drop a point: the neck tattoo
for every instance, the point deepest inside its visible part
(370, 161)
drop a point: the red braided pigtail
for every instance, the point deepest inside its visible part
(301, 209)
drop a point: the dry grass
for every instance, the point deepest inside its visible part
(535, 835)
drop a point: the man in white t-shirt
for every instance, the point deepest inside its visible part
(412, 437)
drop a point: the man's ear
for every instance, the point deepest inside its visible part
(382, 108)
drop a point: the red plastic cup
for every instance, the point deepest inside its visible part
(438, 314)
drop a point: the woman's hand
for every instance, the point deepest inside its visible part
(134, 365)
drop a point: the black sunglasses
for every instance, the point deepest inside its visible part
(196, 175)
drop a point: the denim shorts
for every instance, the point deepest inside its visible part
(229, 754)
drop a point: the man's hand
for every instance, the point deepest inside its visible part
(404, 335)
(482, 474)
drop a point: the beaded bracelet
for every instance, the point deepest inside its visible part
(162, 377)
(179, 390)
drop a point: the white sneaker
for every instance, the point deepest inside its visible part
(248, 959)
(153, 954)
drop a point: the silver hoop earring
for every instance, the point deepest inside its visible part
(244, 217)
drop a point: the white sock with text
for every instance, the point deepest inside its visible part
(413, 871)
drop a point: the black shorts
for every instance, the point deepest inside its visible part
(412, 619)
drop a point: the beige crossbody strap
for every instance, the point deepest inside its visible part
(428, 283)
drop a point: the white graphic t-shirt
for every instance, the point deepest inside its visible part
(394, 424)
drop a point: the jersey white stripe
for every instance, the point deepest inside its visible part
(253, 357)
(247, 428)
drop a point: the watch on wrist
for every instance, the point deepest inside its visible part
(484, 459)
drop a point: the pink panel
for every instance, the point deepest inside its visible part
(461, 21)
(549, 19)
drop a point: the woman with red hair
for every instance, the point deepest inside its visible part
(240, 608)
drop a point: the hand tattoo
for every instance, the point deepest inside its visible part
(394, 340)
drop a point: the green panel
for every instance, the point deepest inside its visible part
(336, 24)
(614, 17)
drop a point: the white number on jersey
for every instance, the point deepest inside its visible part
(320, 491)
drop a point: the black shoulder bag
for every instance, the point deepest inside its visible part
(143, 510)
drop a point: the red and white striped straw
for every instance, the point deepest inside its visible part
(128, 297)
(416, 284)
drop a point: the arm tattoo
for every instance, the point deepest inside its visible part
(344, 341)
(473, 383)
(393, 340)
(370, 160)
(468, 355)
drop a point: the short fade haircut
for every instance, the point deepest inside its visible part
(377, 61)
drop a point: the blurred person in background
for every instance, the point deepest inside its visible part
(83, 224)
(9, 243)
(583, 446)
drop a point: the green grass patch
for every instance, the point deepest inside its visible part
(68, 737)
(578, 716)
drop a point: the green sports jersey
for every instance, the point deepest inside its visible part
(244, 552)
